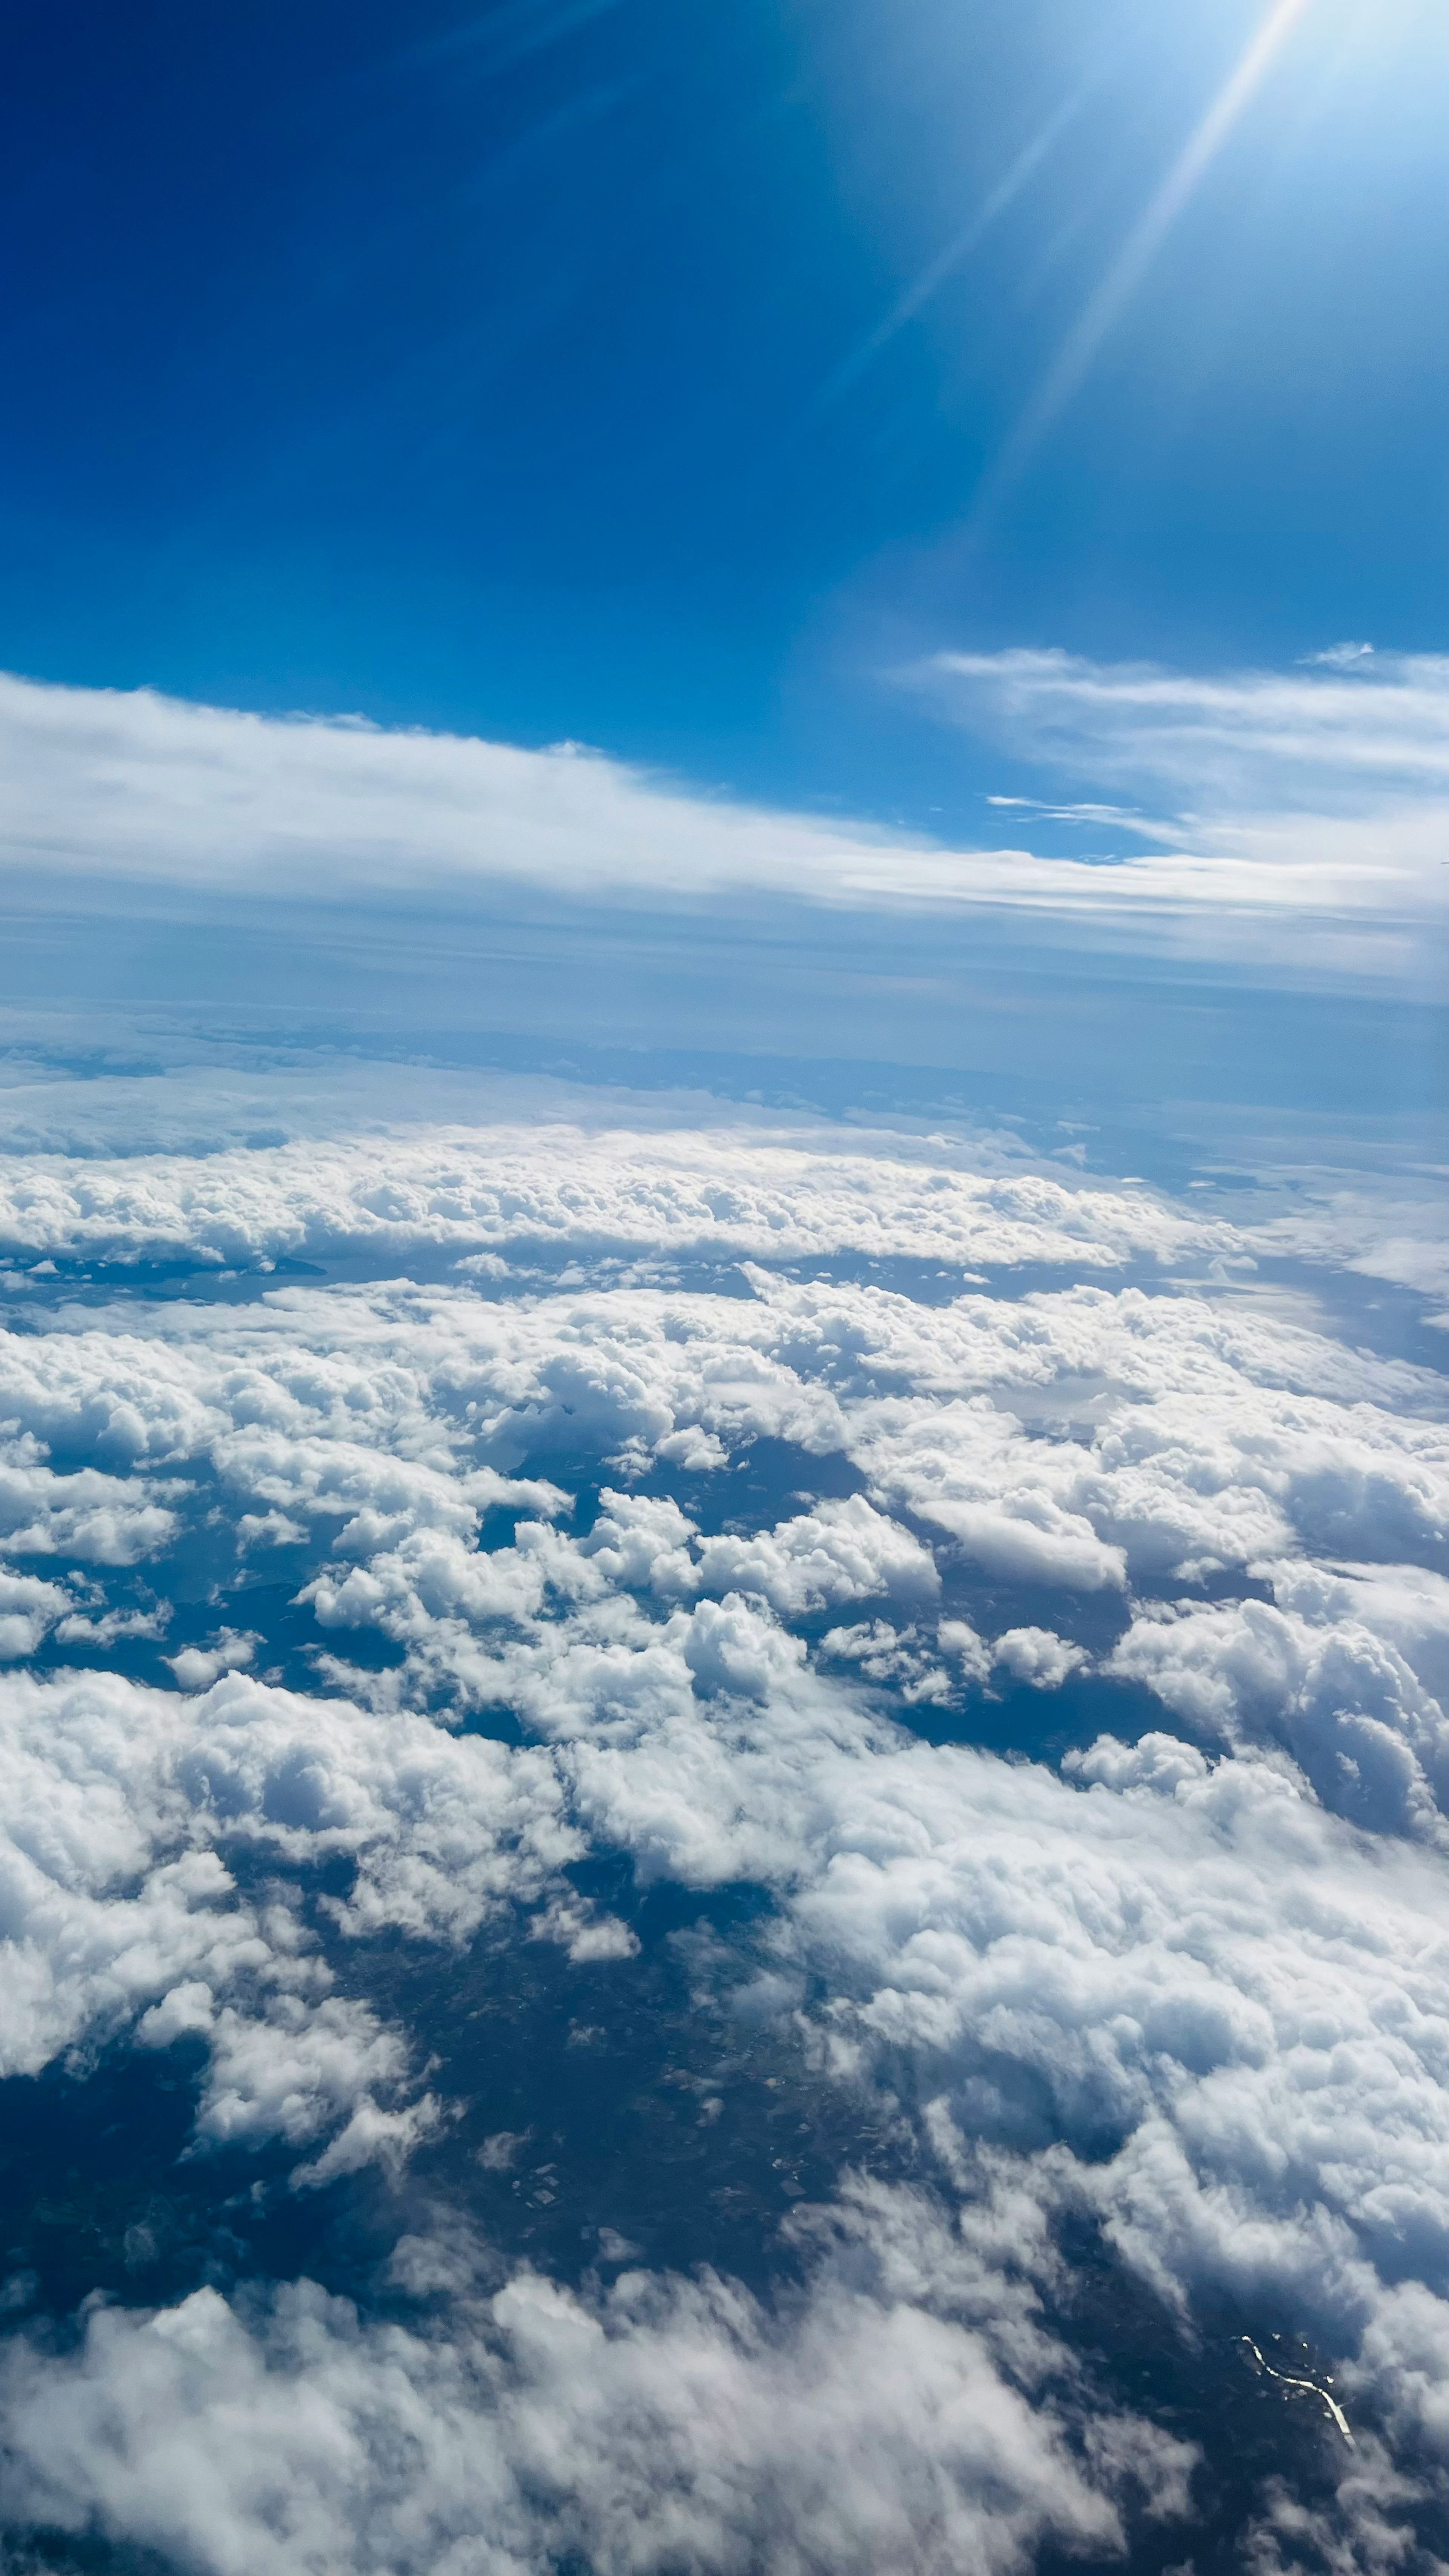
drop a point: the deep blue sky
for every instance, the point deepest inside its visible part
(484, 367)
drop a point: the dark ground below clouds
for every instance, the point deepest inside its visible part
(208, 1585)
(604, 2116)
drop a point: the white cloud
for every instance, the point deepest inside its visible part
(1320, 792)
(29, 1609)
(200, 808)
(1192, 1960)
(907, 2408)
(1323, 1672)
(1185, 1996)
(1197, 1435)
(307, 2067)
(93, 1517)
(1195, 1960)
(197, 1667)
(1274, 2125)
(119, 1907)
(1227, 743)
(1079, 1439)
(903, 1660)
(1037, 1656)
(732, 1193)
(1388, 1231)
(820, 1559)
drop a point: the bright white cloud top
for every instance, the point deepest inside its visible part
(568, 1542)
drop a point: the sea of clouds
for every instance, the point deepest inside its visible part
(724, 1781)
(484, 1599)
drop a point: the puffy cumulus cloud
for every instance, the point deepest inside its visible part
(900, 1659)
(835, 1553)
(437, 1580)
(1037, 1656)
(1407, 1605)
(1337, 1670)
(357, 1439)
(1109, 1436)
(307, 2065)
(639, 1541)
(72, 1613)
(1192, 2000)
(689, 1741)
(906, 2408)
(1113, 1435)
(1077, 1437)
(305, 1463)
(1227, 2004)
(1227, 2008)
(29, 1609)
(119, 1908)
(306, 2062)
(124, 1402)
(197, 1667)
(98, 1519)
(1233, 2000)
(1008, 1502)
(1105, 1433)
(820, 1559)
(1187, 1968)
(728, 1192)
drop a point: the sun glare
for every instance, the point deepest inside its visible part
(1115, 291)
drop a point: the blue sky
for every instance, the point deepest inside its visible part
(603, 370)
(724, 1504)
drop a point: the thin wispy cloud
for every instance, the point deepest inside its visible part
(1302, 813)
(1347, 732)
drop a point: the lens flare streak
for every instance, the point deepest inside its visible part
(1103, 308)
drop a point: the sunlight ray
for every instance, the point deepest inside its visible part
(956, 251)
(1114, 292)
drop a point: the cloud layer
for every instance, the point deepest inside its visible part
(1317, 852)
(597, 1578)
(658, 1197)
(907, 2407)
(1349, 732)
